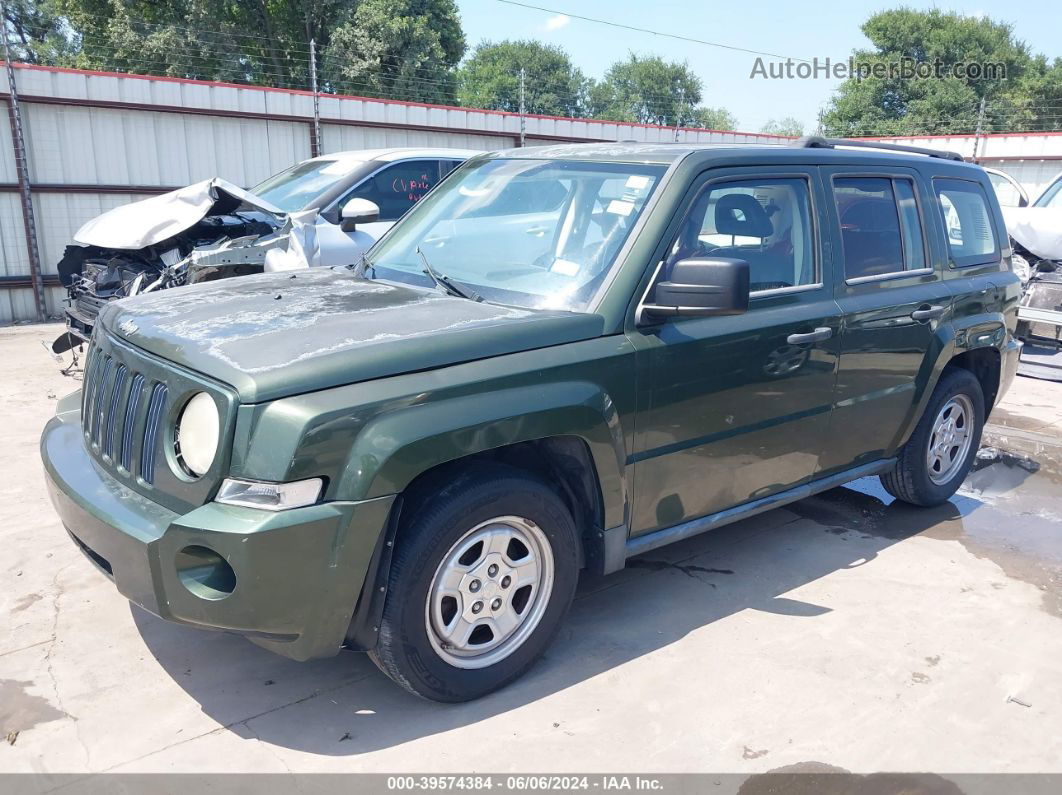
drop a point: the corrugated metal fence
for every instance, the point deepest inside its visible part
(97, 140)
(1033, 159)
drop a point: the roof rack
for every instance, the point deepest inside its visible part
(818, 142)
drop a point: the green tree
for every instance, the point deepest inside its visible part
(490, 78)
(259, 41)
(784, 126)
(400, 49)
(35, 31)
(712, 119)
(948, 102)
(648, 90)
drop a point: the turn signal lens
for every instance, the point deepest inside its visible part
(270, 496)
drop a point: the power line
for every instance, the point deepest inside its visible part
(610, 23)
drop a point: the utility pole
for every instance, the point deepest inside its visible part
(18, 142)
(980, 127)
(822, 115)
(316, 148)
(523, 109)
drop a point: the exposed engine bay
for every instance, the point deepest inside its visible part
(1036, 236)
(210, 230)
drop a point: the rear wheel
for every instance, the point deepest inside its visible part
(937, 457)
(483, 575)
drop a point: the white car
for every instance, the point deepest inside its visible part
(392, 179)
(214, 229)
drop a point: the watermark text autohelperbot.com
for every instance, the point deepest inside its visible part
(904, 69)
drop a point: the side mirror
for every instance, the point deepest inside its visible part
(358, 211)
(702, 286)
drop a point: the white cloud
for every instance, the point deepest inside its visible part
(557, 22)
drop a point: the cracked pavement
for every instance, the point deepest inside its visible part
(844, 631)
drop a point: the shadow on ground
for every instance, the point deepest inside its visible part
(343, 706)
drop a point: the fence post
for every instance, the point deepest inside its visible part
(980, 126)
(523, 110)
(18, 144)
(315, 149)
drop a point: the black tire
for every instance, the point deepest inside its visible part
(438, 521)
(910, 481)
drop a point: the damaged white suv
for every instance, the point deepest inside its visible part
(322, 211)
(1036, 237)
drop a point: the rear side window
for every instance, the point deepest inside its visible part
(881, 229)
(766, 222)
(397, 187)
(967, 222)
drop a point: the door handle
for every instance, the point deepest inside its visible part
(536, 230)
(818, 335)
(929, 313)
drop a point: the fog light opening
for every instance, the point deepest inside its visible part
(205, 573)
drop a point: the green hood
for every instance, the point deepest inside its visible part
(279, 334)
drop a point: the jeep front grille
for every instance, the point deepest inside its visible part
(119, 424)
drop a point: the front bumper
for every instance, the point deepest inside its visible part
(298, 573)
(1011, 356)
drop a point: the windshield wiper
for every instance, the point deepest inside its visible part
(363, 264)
(444, 281)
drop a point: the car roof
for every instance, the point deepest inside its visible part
(667, 153)
(355, 156)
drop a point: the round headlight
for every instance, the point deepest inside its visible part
(196, 440)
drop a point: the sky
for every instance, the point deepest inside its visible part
(796, 30)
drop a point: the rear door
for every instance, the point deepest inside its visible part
(891, 289)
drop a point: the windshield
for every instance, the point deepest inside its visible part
(1052, 197)
(292, 189)
(533, 233)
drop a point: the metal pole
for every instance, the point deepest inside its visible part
(18, 143)
(316, 100)
(980, 127)
(523, 110)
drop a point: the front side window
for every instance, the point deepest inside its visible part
(397, 187)
(881, 229)
(533, 233)
(766, 222)
(967, 222)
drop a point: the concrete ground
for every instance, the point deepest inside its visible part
(845, 630)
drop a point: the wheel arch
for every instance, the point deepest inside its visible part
(975, 346)
(563, 462)
(567, 422)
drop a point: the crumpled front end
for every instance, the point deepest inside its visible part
(207, 230)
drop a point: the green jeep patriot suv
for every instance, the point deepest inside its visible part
(561, 357)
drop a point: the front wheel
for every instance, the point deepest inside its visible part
(484, 572)
(933, 463)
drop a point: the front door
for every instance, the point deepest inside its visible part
(736, 408)
(894, 300)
